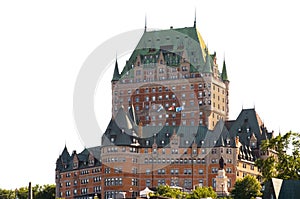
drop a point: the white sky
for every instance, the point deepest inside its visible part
(44, 44)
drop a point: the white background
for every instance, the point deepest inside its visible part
(44, 44)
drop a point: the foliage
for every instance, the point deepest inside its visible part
(167, 191)
(38, 192)
(286, 165)
(199, 192)
(203, 192)
(247, 188)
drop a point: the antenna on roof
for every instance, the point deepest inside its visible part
(195, 19)
(145, 23)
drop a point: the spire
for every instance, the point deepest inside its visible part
(224, 72)
(116, 75)
(195, 19)
(145, 23)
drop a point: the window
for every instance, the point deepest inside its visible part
(161, 182)
(214, 170)
(228, 170)
(228, 151)
(134, 182)
(194, 151)
(214, 183)
(188, 183)
(148, 183)
(229, 183)
(200, 171)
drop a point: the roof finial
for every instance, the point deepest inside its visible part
(145, 23)
(195, 19)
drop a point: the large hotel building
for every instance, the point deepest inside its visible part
(169, 125)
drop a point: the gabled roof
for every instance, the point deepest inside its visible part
(282, 189)
(82, 157)
(248, 122)
(200, 135)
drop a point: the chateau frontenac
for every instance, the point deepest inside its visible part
(169, 125)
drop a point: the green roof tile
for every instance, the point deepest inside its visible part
(172, 43)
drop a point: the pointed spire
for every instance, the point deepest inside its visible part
(195, 19)
(116, 75)
(145, 23)
(224, 72)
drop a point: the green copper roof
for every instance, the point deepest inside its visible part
(116, 75)
(174, 44)
(224, 72)
(207, 67)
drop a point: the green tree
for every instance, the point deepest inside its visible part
(202, 192)
(286, 163)
(44, 192)
(247, 188)
(167, 191)
(7, 194)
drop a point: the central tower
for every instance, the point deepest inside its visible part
(171, 79)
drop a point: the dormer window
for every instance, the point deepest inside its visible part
(147, 142)
(228, 141)
(75, 165)
(112, 139)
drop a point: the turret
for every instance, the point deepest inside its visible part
(116, 75)
(225, 79)
(224, 72)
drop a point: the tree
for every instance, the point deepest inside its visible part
(39, 192)
(247, 188)
(202, 192)
(44, 192)
(7, 194)
(286, 163)
(167, 191)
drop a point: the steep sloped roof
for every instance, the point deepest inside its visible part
(172, 42)
(248, 122)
